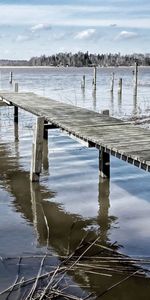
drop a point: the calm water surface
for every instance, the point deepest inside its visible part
(71, 195)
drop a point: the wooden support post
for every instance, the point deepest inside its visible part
(45, 155)
(83, 82)
(11, 77)
(104, 163)
(135, 78)
(37, 149)
(15, 107)
(95, 77)
(15, 114)
(120, 86)
(105, 112)
(112, 83)
(45, 132)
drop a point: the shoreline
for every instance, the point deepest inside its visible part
(62, 67)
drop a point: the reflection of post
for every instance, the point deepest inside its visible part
(10, 77)
(16, 131)
(83, 95)
(94, 99)
(45, 155)
(16, 87)
(103, 218)
(135, 79)
(38, 216)
(120, 86)
(112, 83)
(15, 107)
(135, 103)
(104, 163)
(83, 82)
(95, 77)
(112, 103)
(119, 101)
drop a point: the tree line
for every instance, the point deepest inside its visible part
(81, 59)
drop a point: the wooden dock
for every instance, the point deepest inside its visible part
(111, 136)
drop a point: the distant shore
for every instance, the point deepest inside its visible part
(70, 67)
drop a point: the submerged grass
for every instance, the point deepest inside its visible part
(58, 283)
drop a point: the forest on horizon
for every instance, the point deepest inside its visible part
(81, 59)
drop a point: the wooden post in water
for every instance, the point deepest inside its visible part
(95, 77)
(37, 150)
(104, 163)
(11, 77)
(104, 157)
(45, 132)
(120, 87)
(45, 155)
(135, 78)
(15, 107)
(83, 82)
(112, 83)
(105, 112)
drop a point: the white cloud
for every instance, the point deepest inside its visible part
(40, 27)
(85, 34)
(22, 38)
(123, 35)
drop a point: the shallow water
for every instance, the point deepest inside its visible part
(70, 194)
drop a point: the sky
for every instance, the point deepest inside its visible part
(37, 27)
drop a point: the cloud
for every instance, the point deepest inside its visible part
(124, 35)
(23, 38)
(113, 25)
(40, 27)
(85, 34)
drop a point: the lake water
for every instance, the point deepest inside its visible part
(70, 194)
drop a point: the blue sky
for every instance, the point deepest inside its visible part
(36, 27)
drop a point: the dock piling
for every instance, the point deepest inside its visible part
(104, 157)
(10, 77)
(45, 132)
(105, 112)
(120, 86)
(83, 82)
(104, 163)
(37, 150)
(15, 107)
(112, 83)
(95, 77)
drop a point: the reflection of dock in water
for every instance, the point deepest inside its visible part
(69, 228)
(104, 220)
(64, 228)
(35, 204)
